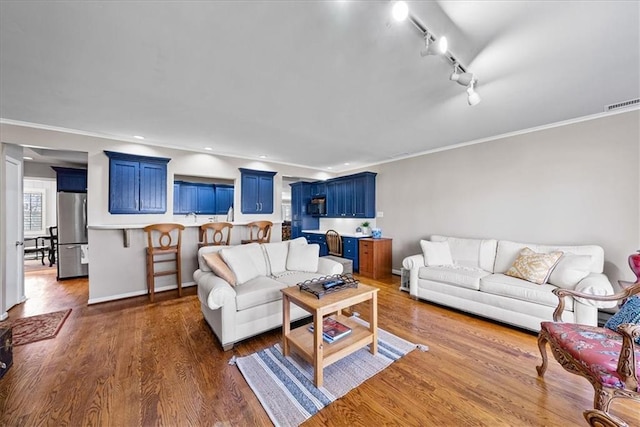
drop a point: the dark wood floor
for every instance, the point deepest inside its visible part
(131, 362)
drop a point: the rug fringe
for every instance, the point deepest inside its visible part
(422, 347)
(233, 360)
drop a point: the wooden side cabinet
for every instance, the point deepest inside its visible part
(375, 257)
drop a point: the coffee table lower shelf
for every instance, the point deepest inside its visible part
(301, 339)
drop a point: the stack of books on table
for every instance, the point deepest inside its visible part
(332, 330)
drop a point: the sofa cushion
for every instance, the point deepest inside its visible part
(511, 287)
(258, 291)
(219, 267)
(246, 261)
(570, 270)
(533, 266)
(509, 251)
(436, 253)
(479, 253)
(276, 256)
(303, 257)
(465, 277)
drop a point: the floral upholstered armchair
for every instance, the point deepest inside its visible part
(609, 357)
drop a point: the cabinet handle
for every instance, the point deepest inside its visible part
(257, 206)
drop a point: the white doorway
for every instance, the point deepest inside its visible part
(14, 274)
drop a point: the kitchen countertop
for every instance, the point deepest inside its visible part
(354, 234)
(141, 226)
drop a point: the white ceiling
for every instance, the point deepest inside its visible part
(311, 83)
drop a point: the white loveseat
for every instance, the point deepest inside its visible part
(476, 282)
(254, 305)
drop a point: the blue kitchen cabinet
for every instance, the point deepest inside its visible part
(352, 196)
(194, 197)
(137, 184)
(319, 188)
(317, 239)
(70, 179)
(257, 191)
(364, 195)
(300, 218)
(350, 251)
(224, 198)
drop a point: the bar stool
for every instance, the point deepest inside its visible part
(167, 250)
(259, 232)
(220, 234)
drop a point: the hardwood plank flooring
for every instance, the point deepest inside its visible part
(132, 362)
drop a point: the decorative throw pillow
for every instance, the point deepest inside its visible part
(219, 267)
(277, 256)
(533, 266)
(628, 313)
(242, 260)
(570, 270)
(436, 253)
(303, 258)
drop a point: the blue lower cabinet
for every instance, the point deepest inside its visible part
(350, 250)
(320, 240)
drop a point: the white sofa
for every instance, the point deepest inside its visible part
(476, 282)
(255, 304)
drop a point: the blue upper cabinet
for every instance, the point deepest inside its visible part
(224, 198)
(300, 218)
(70, 179)
(257, 191)
(194, 197)
(137, 184)
(352, 196)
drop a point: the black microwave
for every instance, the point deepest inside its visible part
(317, 206)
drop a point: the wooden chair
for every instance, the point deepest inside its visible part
(609, 360)
(259, 232)
(163, 247)
(334, 246)
(53, 245)
(38, 248)
(597, 418)
(220, 234)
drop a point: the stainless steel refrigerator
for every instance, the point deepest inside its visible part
(72, 235)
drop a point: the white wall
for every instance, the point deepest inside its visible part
(572, 184)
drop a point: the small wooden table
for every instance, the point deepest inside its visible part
(310, 345)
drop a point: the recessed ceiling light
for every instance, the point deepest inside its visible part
(27, 158)
(346, 164)
(263, 157)
(329, 167)
(138, 137)
(208, 148)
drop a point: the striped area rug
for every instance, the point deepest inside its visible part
(284, 385)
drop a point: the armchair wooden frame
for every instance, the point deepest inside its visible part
(220, 234)
(626, 367)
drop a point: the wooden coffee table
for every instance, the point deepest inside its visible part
(310, 345)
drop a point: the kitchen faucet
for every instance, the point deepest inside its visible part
(195, 217)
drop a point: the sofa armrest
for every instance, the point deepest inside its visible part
(596, 284)
(329, 267)
(413, 264)
(213, 290)
(582, 296)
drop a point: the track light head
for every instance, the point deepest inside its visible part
(472, 96)
(437, 47)
(462, 78)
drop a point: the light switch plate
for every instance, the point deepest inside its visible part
(380, 214)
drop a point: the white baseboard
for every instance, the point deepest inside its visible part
(136, 293)
(396, 272)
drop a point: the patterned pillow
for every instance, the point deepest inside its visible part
(628, 313)
(534, 267)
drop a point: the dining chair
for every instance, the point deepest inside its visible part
(259, 232)
(215, 234)
(334, 246)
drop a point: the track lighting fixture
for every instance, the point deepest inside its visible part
(438, 46)
(472, 96)
(433, 46)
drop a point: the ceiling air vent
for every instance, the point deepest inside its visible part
(624, 104)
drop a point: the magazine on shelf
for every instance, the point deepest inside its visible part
(332, 330)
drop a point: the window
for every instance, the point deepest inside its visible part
(34, 203)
